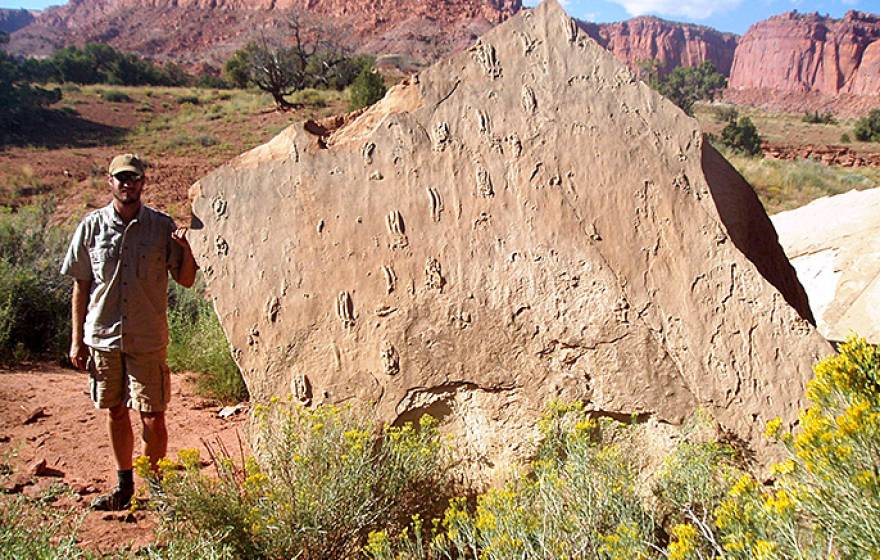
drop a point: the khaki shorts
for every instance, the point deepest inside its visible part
(140, 381)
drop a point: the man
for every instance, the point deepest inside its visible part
(119, 259)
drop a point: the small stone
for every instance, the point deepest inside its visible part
(41, 468)
(228, 411)
(35, 415)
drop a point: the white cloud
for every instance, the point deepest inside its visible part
(694, 9)
(850, 2)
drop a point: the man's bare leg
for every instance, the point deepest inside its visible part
(155, 436)
(122, 441)
(121, 437)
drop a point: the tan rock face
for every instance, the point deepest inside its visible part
(804, 53)
(523, 222)
(838, 262)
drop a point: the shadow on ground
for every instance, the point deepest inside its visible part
(54, 129)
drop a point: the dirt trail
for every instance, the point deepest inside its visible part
(70, 436)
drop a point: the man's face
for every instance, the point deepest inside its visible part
(126, 187)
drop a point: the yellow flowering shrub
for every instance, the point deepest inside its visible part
(330, 484)
(825, 497)
(578, 501)
(684, 543)
(322, 479)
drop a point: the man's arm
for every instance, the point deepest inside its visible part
(186, 274)
(79, 305)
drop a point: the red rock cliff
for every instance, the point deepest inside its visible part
(194, 31)
(671, 44)
(800, 53)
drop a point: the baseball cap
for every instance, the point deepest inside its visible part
(127, 162)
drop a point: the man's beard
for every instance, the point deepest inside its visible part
(127, 198)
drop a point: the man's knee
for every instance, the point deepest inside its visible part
(118, 413)
(153, 422)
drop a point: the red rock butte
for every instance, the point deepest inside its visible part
(802, 53)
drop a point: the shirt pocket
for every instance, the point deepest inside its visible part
(104, 263)
(151, 264)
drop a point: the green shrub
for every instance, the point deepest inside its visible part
(867, 128)
(367, 88)
(830, 484)
(20, 99)
(115, 96)
(684, 86)
(34, 296)
(198, 344)
(189, 99)
(742, 136)
(210, 81)
(819, 118)
(326, 479)
(30, 529)
(584, 498)
(311, 97)
(100, 63)
(845, 139)
(206, 140)
(787, 184)
(726, 114)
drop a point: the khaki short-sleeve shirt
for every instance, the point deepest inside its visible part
(128, 267)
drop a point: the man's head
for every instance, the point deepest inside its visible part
(126, 178)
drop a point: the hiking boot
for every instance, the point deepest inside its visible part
(117, 500)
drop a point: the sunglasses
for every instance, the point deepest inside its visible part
(127, 177)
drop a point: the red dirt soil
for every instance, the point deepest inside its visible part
(71, 437)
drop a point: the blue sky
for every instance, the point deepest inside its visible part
(726, 15)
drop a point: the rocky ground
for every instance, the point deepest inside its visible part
(53, 442)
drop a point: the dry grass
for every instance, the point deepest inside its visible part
(785, 185)
(785, 128)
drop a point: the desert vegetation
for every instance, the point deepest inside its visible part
(313, 58)
(685, 86)
(327, 483)
(867, 128)
(785, 185)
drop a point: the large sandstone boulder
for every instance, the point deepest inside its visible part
(521, 222)
(834, 244)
